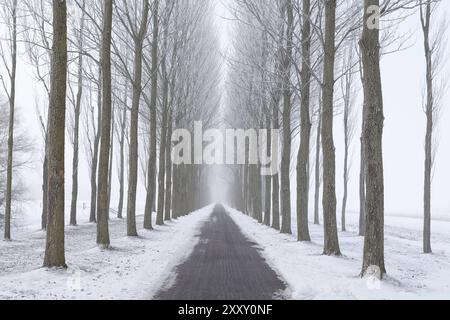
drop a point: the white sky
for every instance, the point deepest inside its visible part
(402, 74)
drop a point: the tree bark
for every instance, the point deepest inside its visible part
(362, 193)
(268, 178)
(54, 249)
(287, 95)
(134, 125)
(305, 129)
(163, 136)
(276, 177)
(331, 241)
(362, 173)
(76, 130)
(12, 102)
(373, 149)
(175, 192)
(44, 188)
(168, 198)
(122, 157)
(257, 200)
(103, 170)
(151, 170)
(345, 196)
(317, 180)
(425, 15)
(111, 161)
(94, 166)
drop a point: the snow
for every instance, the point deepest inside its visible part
(133, 269)
(136, 267)
(311, 275)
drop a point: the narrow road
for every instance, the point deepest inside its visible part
(224, 265)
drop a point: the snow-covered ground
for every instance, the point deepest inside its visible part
(135, 267)
(310, 275)
(131, 270)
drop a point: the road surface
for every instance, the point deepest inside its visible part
(224, 265)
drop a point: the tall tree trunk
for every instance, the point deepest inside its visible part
(246, 189)
(175, 191)
(266, 123)
(103, 170)
(162, 169)
(305, 129)
(133, 149)
(76, 130)
(331, 241)
(44, 187)
(345, 175)
(373, 144)
(134, 125)
(425, 15)
(95, 164)
(317, 180)
(251, 192)
(54, 249)
(12, 101)
(276, 177)
(287, 95)
(111, 160)
(348, 134)
(257, 201)
(163, 138)
(344, 197)
(362, 193)
(268, 178)
(168, 198)
(362, 173)
(122, 158)
(151, 171)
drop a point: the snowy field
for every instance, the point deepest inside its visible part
(310, 275)
(135, 268)
(131, 270)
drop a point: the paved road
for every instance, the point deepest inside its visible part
(224, 265)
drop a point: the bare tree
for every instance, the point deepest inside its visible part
(433, 44)
(103, 170)
(76, 101)
(37, 38)
(92, 126)
(348, 95)
(331, 246)
(164, 120)
(92, 39)
(169, 170)
(373, 138)
(121, 133)
(97, 123)
(305, 127)
(138, 34)
(362, 175)
(54, 251)
(287, 108)
(151, 170)
(9, 10)
(111, 155)
(317, 171)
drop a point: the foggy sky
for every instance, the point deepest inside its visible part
(403, 87)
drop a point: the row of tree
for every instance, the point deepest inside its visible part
(128, 73)
(294, 66)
